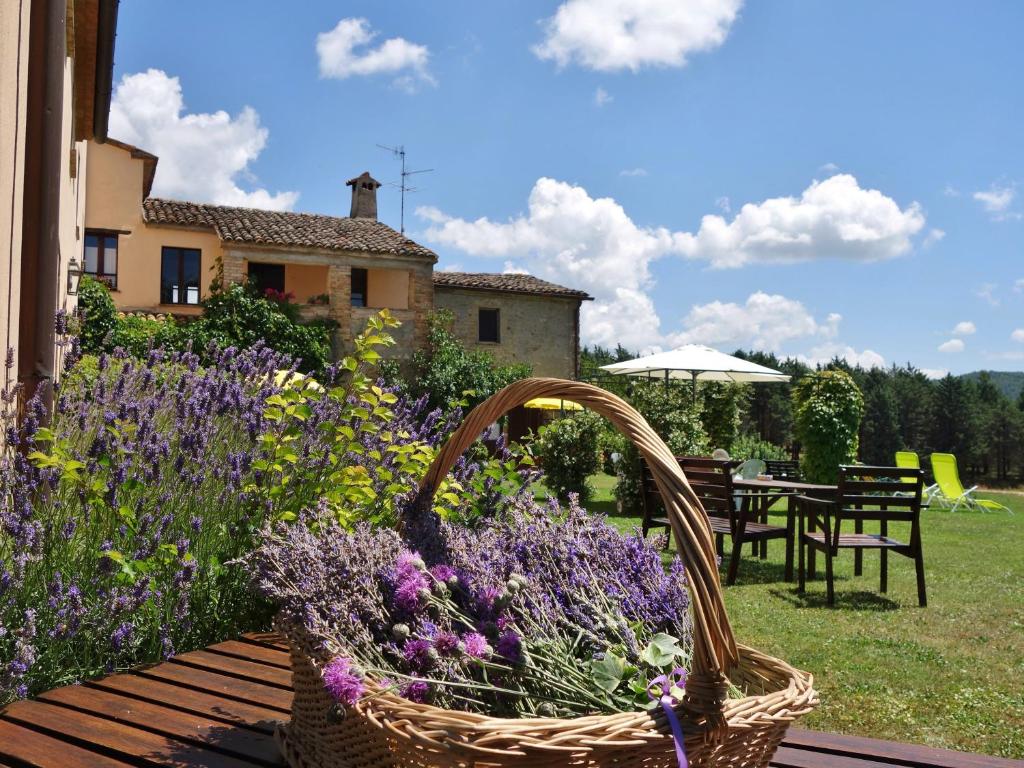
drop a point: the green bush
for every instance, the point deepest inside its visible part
(99, 316)
(752, 447)
(449, 374)
(568, 451)
(720, 411)
(827, 409)
(671, 412)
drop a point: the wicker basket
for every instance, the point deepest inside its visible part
(387, 730)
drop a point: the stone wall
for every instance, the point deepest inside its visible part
(534, 329)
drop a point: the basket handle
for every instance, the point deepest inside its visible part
(714, 645)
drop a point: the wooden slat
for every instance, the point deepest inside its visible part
(23, 746)
(123, 740)
(893, 752)
(222, 685)
(274, 657)
(260, 718)
(859, 540)
(786, 757)
(227, 665)
(185, 726)
(271, 639)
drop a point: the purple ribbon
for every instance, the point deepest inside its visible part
(664, 685)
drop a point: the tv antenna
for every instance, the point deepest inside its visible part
(399, 152)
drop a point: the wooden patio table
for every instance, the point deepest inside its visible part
(219, 707)
(787, 489)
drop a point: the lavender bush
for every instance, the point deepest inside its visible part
(120, 518)
(538, 611)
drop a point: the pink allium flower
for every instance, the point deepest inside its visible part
(344, 685)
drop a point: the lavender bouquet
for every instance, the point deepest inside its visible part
(539, 611)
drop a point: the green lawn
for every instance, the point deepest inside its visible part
(949, 675)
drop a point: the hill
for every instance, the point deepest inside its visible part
(1010, 383)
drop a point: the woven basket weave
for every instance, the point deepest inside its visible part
(387, 730)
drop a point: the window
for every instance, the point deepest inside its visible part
(179, 276)
(359, 282)
(490, 325)
(265, 276)
(101, 257)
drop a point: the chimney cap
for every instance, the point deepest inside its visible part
(362, 179)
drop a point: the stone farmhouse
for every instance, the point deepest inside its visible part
(159, 256)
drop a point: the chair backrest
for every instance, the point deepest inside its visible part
(750, 469)
(877, 493)
(649, 492)
(946, 475)
(711, 480)
(783, 469)
(908, 459)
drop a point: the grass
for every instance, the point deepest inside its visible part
(949, 675)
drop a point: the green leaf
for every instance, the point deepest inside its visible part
(662, 650)
(608, 672)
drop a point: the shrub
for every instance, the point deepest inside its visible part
(752, 447)
(99, 316)
(720, 411)
(449, 374)
(827, 409)
(672, 414)
(568, 452)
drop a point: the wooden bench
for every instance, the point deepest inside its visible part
(218, 707)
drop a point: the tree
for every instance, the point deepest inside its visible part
(915, 395)
(769, 414)
(721, 405)
(880, 429)
(568, 452)
(827, 408)
(954, 428)
(99, 316)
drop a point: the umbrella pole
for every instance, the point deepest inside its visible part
(693, 375)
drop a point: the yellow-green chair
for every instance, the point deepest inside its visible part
(951, 491)
(910, 460)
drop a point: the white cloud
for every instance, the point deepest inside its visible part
(964, 328)
(986, 292)
(934, 235)
(340, 59)
(453, 267)
(1018, 285)
(639, 172)
(723, 204)
(997, 199)
(950, 191)
(602, 97)
(1018, 335)
(202, 155)
(591, 243)
(831, 218)
(935, 373)
(764, 321)
(612, 35)
(953, 345)
(825, 353)
(828, 168)
(511, 268)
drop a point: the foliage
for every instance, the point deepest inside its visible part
(769, 413)
(752, 447)
(514, 618)
(98, 313)
(450, 375)
(569, 453)
(236, 317)
(880, 429)
(827, 409)
(721, 405)
(672, 414)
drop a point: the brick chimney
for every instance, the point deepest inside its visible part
(364, 196)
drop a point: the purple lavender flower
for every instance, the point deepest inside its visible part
(342, 682)
(510, 647)
(447, 643)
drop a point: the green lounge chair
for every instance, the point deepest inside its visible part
(951, 491)
(910, 460)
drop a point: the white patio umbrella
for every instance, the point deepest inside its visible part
(696, 363)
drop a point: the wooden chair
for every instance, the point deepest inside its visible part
(783, 469)
(883, 494)
(654, 511)
(712, 482)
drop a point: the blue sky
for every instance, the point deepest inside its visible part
(810, 178)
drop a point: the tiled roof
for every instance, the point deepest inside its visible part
(510, 283)
(293, 230)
